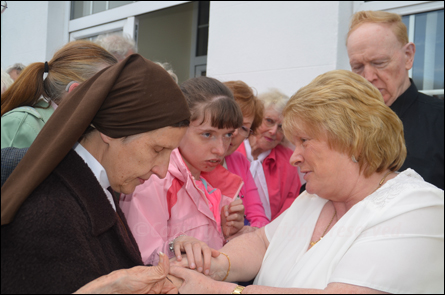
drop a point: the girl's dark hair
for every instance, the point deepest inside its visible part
(208, 96)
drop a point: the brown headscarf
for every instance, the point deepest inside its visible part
(131, 97)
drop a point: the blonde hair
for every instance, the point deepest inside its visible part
(380, 17)
(350, 113)
(76, 61)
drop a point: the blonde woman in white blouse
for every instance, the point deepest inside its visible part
(360, 227)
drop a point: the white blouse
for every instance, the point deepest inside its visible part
(392, 241)
(256, 168)
(97, 169)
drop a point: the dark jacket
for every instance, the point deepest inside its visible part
(423, 125)
(65, 235)
(10, 159)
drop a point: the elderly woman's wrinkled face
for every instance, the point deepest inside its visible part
(131, 161)
(324, 169)
(270, 133)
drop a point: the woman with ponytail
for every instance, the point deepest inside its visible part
(28, 103)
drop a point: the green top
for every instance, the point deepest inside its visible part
(21, 125)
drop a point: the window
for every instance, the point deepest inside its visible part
(84, 8)
(427, 32)
(203, 28)
(200, 38)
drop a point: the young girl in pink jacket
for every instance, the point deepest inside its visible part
(184, 212)
(252, 109)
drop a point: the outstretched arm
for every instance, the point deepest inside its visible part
(192, 282)
(246, 254)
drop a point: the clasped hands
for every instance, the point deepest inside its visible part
(198, 253)
(156, 279)
(199, 269)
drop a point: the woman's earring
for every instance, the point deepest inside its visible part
(354, 159)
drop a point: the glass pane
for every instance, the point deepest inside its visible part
(405, 20)
(439, 59)
(204, 10)
(80, 9)
(114, 4)
(419, 57)
(203, 40)
(428, 68)
(99, 6)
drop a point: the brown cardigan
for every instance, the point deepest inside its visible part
(65, 235)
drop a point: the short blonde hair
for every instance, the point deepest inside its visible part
(350, 113)
(380, 17)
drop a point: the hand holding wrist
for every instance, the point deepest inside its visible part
(219, 268)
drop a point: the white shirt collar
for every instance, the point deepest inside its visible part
(256, 168)
(261, 156)
(97, 169)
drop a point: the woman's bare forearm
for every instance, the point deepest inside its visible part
(246, 254)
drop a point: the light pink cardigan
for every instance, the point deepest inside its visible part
(160, 210)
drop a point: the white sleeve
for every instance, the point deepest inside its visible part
(404, 254)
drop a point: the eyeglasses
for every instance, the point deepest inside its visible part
(244, 131)
(271, 123)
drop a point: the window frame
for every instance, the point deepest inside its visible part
(114, 20)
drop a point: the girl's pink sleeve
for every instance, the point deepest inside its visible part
(254, 209)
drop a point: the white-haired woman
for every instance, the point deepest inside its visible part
(277, 181)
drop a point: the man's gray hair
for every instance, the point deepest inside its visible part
(117, 45)
(17, 66)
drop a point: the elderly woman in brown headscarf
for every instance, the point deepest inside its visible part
(62, 228)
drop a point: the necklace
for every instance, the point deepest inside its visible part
(335, 211)
(313, 243)
(381, 181)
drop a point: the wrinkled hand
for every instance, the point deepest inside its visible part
(196, 283)
(136, 280)
(198, 253)
(232, 218)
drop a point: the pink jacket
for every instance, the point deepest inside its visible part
(283, 180)
(160, 210)
(238, 164)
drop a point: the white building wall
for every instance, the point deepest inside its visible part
(32, 31)
(281, 44)
(276, 44)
